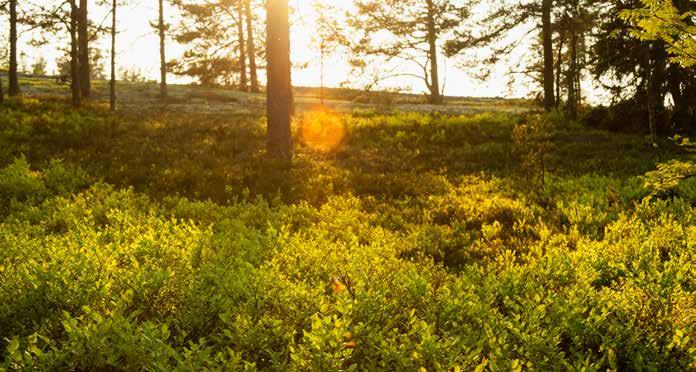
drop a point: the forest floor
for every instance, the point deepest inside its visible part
(133, 95)
(489, 237)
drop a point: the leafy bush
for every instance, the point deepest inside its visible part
(669, 177)
(408, 247)
(626, 116)
(18, 183)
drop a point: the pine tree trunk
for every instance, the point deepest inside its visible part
(163, 60)
(112, 85)
(573, 76)
(242, 47)
(83, 50)
(650, 94)
(435, 95)
(559, 69)
(279, 89)
(251, 50)
(13, 78)
(547, 34)
(74, 64)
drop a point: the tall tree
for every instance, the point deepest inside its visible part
(641, 71)
(547, 35)
(505, 27)
(112, 83)
(83, 50)
(326, 37)
(206, 32)
(279, 88)
(242, 46)
(674, 26)
(161, 27)
(74, 57)
(416, 30)
(13, 76)
(251, 47)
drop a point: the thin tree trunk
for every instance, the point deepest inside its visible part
(83, 50)
(13, 79)
(251, 50)
(547, 34)
(559, 69)
(112, 85)
(74, 64)
(650, 94)
(573, 75)
(435, 95)
(163, 60)
(279, 89)
(242, 47)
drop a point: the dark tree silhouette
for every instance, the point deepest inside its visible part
(74, 64)
(13, 79)
(547, 35)
(242, 46)
(416, 29)
(161, 27)
(251, 48)
(83, 50)
(279, 88)
(112, 83)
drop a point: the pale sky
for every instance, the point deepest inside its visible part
(138, 49)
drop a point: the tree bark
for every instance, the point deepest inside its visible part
(13, 78)
(251, 49)
(279, 88)
(242, 47)
(112, 85)
(74, 64)
(547, 34)
(651, 93)
(573, 75)
(83, 50)
(559, 70)
(435, 94)
(163, 60)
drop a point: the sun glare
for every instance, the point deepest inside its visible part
(322, 130)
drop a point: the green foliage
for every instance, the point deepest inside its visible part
(661, 20)
(18, 183)
(533, 142)
(27, 120)
(670, 176)
(415, 244)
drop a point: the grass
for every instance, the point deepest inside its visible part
(164, 239)
(134, 95)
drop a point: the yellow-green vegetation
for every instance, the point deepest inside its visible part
(162, 240)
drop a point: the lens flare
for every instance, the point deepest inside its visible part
(322, 130)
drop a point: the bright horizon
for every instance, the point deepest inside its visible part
(137, 48)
